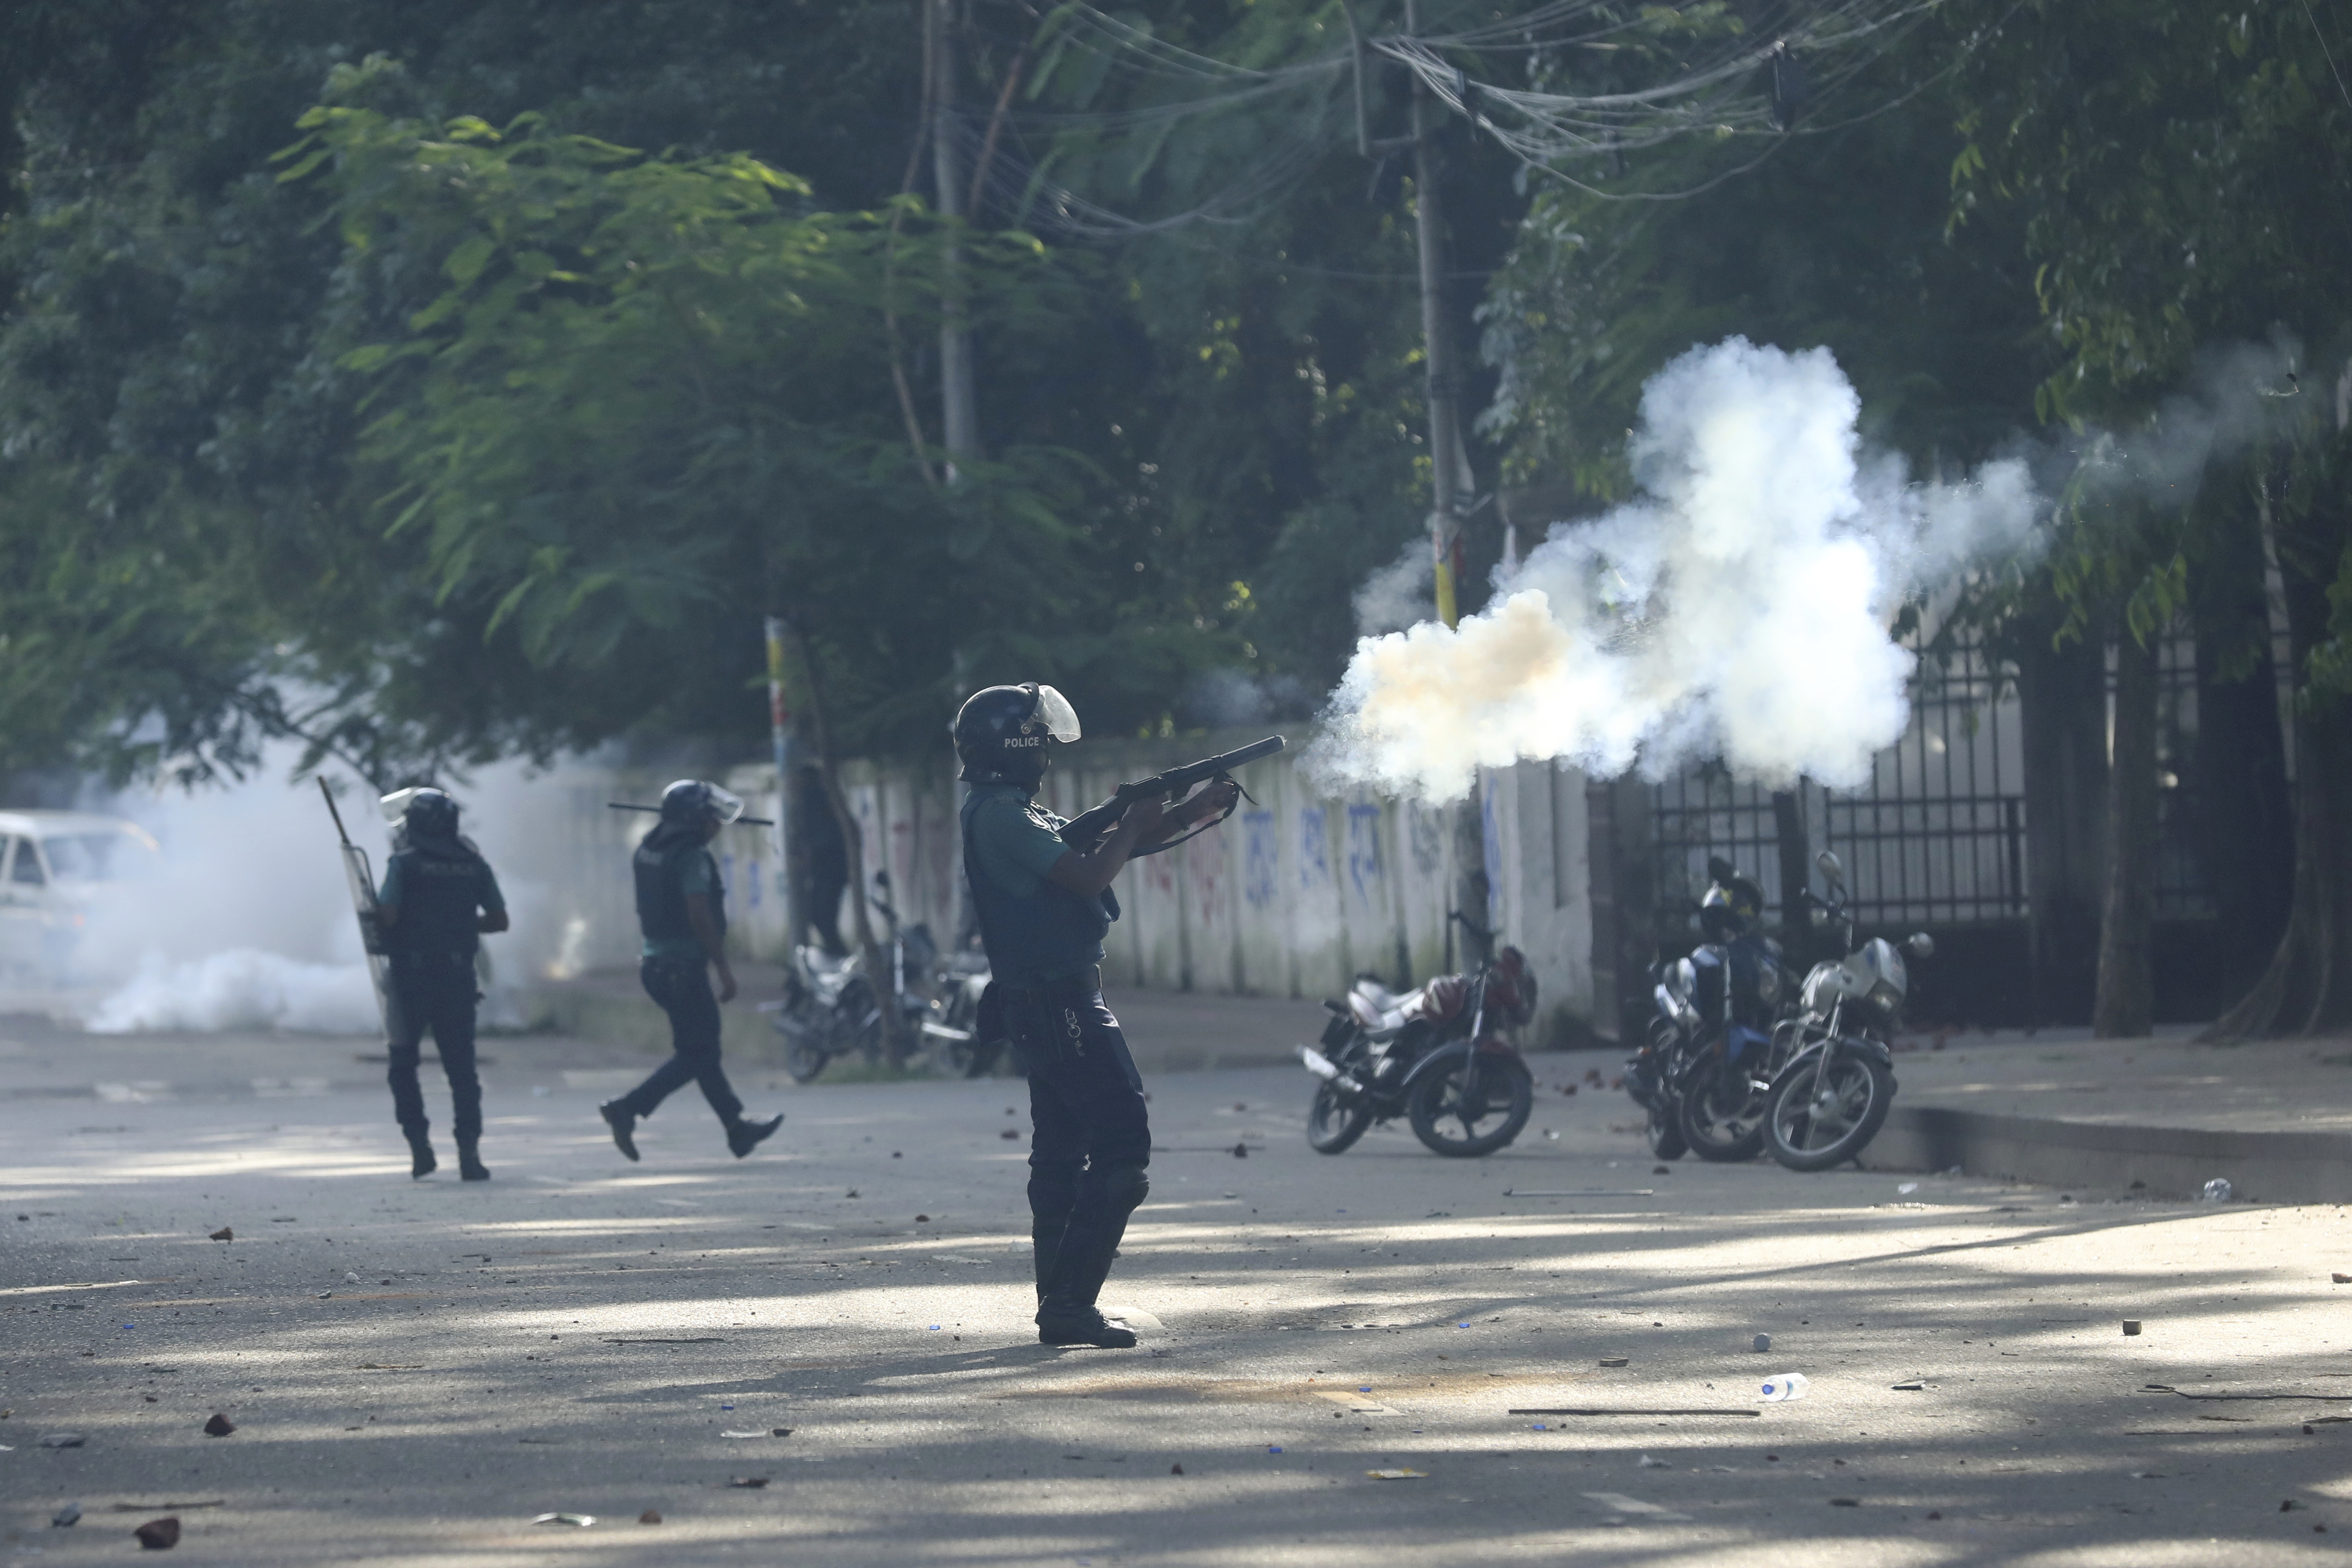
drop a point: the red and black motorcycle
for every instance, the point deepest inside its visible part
(1440, 1056)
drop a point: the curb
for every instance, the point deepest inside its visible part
(2172, 1162)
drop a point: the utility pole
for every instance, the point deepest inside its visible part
(958, 405)
(1449, 469)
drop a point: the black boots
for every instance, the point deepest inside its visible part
(1071, 1272)
(421, 1163)
(743, 1137)
(623, 1123)
(470, 1161)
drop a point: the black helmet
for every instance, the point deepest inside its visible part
(423, 813)
(1732, 905)
(697, 801)
(1000, 732)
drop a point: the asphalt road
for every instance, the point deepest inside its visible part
(418, 1370)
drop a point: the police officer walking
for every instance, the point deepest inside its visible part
(1044, 906)
(438, 898)
(682, 909)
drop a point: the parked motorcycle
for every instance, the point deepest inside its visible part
(1713, 1030)
(1830, 1097)
(830, 1007)
(1438, 1056)
(954, 1030)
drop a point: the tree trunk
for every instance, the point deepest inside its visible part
(2244, 826)
(2308, 985)
(2062, 698)
(2124, 1009)
(871, 953)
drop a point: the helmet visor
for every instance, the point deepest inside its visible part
(723, 806)
(1061, 718)
(395, 804)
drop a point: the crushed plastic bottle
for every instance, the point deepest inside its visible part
(2218, 1190)
(1788, 1386)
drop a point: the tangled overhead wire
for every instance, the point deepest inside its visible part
(1149, 135)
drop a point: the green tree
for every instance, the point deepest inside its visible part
(2178, 172)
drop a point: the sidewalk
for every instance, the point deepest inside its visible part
(2273, 1117)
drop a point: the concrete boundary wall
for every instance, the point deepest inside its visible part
(1298, 892)
(2171, 1162)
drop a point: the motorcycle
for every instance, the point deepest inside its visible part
(830, 1007)
(954, 1031)
(1437, 1056)
(1831, 1094)
(1713, 1031)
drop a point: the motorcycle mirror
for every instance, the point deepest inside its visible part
(1832, 867)
(1919, 945)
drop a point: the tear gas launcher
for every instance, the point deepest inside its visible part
(362, 880)
(1083, 830)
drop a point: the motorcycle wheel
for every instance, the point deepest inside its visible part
(1333, 1126)
(1495, 1093)
(1723, 1114)
(802, 1029)
(1810, 1128)
(1666, 1128)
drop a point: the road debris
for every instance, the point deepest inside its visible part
(1916, 1385)
(2341, 1279)
(223, 1234)
(61, 1440)
(1010, 1134)
(752, 1483)
(1762, 1342)
(66, 1516)
(2131, 1328)
(707, 1339)
(1614, 1360)
(751, 1433)
(1649, 1463)
(1240, 1151)
(1788, 1386)
(2218, 1191)
(1175, 1470)
(651, 1516)
(1845, 1502)
(2185, 1394)
(159, 1534)
(1595, 1410)
(579, 1521)
(1398, 1475)
(220, 1426)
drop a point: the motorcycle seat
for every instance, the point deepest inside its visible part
(820, 962)
(1382, 999)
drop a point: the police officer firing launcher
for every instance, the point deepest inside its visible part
(438, 898)
(1045, 905)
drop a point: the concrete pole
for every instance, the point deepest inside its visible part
(1448, 475)
(958, 405)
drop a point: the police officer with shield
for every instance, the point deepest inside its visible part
(682, 909)
(1044, 906)
(438, 897)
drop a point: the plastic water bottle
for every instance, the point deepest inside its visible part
(2218, 1191)
(1788, 1386)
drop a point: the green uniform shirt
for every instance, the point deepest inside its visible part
(1015, 839)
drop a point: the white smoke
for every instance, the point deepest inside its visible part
(242, 989)
(1739, 610)
(244, 920)
(1400, 595)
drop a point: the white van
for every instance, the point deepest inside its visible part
(53, 866)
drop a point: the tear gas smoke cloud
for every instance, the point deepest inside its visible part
(1740, 609)
(245, 923)
(1400, 595)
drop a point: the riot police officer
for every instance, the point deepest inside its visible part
(438, 897)
(1044, 906)
(682, 909)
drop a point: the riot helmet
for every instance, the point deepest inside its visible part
(1000, 732)
(1733, 904)
(423, 813)
(696, 802)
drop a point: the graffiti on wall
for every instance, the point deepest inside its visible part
(1364, 852)
(1261, 859)
(1314, 860)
